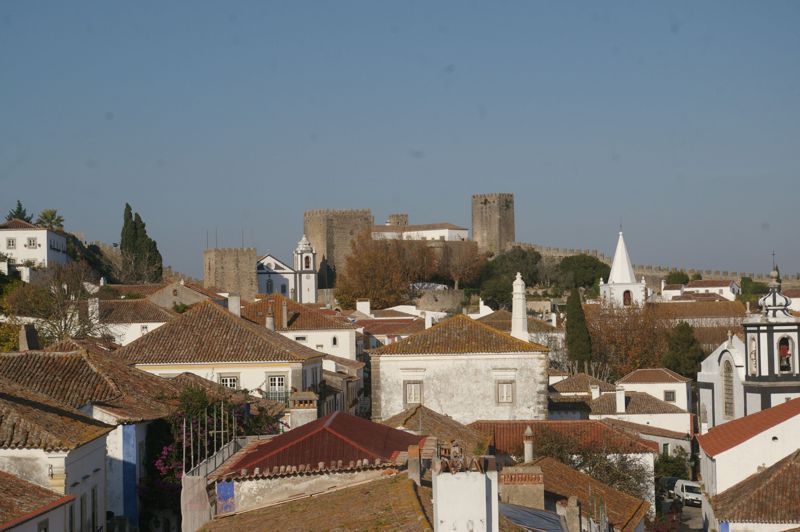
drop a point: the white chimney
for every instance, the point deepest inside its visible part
(595, 391)
(428, 320)
(363, 306)
(284, 314)
(94, 311)
(554, 319)
(102, 281)
(235, 304)
(270, 322)
(519, 311)
(527, 442)
(620, 400)
(663, 285)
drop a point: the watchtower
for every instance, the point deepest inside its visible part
(331, 232)
(493, 221)
(232, 270)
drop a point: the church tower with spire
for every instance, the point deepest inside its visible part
(305, 271)
(622, 289)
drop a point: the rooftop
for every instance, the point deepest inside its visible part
(141, 289)
(728, 435)
(130, 311)
(23, 500)
(640, 428)
(16, 223)
(501, 320)
(209, 333)
(698, 309)
(459, 335)
(424, 421)
(635, 403)
(415, 227)
(299, 317)
(768, 496)
(581, 383)
(392, 327)
(652, 375)
(710, 283)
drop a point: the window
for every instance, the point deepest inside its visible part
(11, 243)
(174, 292)
(277, 383)
(664, 448)
(669, 396)
(335, 341)
(308, 263)
(299, 338)
(505, 392)
(626, 298)
(269, 286)
(229, 380)
(93, 516)
(71, 518)
(727, 388)
(785, 355)
(32, 242)
(413, 392)
(143, 329)
(43, 526)
(319, 347)
(283, 289)
(82, 516)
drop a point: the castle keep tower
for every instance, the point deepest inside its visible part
(493, 221)
(232, 270)
(331, 231)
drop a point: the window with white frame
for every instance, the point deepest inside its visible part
(669, 396)
(276, 383)
(32, 242)
(413, 392)
(229, 380)
(11, 243)
(505, 392)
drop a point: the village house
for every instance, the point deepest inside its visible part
(668, 441)
(661, 383)
(299, 283)
(435, 231)
(380, 332)
(125, 320)
(57, 447)
(24, 243)
(641, 408)
(539, 331)
(212, 343)
(725, 288)
(569, 396)
(182, 293)
(28, 507)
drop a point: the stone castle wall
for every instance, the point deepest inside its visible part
(493, 221)
(232, 270)
(331, 231)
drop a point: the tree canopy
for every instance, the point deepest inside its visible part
(20, 213)
(579, 343)
(677, 277)
(581, 271)
(50, 219)
(499, 274)
(141, 260)
(684, 353)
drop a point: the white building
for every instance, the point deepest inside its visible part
(23, 242)
(437, 231)
(622, 289)
(28, 507)
(464, 369)
(126, 320)
(57, 447)
(725, 288)
(661, 383)
(641, 408)
(742, 377)
(298, 282)
(733, 451)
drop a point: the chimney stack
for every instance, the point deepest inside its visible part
(663, 285)
(363, 306)
(519, 310)
(620, 400)
(428, 319)
(270, 321)
(595, 391)
(235, 304)
(284, 314)
(527, 442)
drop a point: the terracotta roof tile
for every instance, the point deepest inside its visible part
(581, 383)
(652, 375)
(586, 433)
(391, 313)
(673, 286)
(209, 333)
(635, 403)
(131, 311)
(392, 327)
(457, 335)
(347, 362)
(698, 296)
(769, 496)
(698, 309)
(30, 420)
(23, 500)
(422, 420)
(639, 428)
(300, 317)
(501, 320)
(791, 292)
(709, 283)
(728, 435)
(142, 289)
(16, 223)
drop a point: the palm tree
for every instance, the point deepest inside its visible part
(50, 219)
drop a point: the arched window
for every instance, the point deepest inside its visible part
(785, 353)
(335, 341)
(727, 389)
(269, 286)
(308, 263)
(626, 298)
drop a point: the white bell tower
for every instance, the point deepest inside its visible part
(305, 272)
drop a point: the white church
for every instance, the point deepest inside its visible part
(743, 377)
(622, 289)
(298, 283)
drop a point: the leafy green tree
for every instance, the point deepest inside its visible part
(673, 465)
(677, 277)
(141, 260)
(499, 274)
(50, 219)
(684, 353)
(582, 270)
(579, 343)
(697, 276)
(20, 213)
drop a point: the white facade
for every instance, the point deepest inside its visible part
(678, 422)
(125, 333)
(466, 387)
(39, 246)
(729, 289)
(466, 500)
(54, 519)
(337, 342)
(622, 289)
(420, 232)
(298, 282)
(681, 391)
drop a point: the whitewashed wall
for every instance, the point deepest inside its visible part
(322, 340)
(683, 391)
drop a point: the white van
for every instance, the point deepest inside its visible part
(688, 492)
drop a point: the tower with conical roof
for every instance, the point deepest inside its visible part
(622, 289)
(305, 272)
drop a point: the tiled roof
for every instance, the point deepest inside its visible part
(555, 372)
(391, 503)
(347, 362)
(30, 420)
(501, 320)
(586, 433)
(581, 383)
(16, 223)
(728, 435)
(422, 420)
(209, 333)
(698, 309)
(23, 500)
(143, 289)
(673, 286)
(635, 403)
(391, 313)
(93, 345)
(791, 292)
(457, 335)
(208, 292)
(709, 283)
(300, 317)
(415, 227)
(132, 311)
(652, 375)
(337, 436)
(769, 496)
(698, 296)
(639, 428)
(80, 377)
(624, 511)
(391, 327)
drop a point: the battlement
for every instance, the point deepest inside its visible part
(316, 213)
(229, 250)
(493, 196)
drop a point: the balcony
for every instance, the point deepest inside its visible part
(278, 396)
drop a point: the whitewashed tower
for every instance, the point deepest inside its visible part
(622, 288)
(305, 272)
(519, 310)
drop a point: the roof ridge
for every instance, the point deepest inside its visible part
(87, 357)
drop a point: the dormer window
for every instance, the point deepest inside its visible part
(785, 353)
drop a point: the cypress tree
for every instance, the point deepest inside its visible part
(141, 259)
(579, 343)
(684, 353)
(20, 213)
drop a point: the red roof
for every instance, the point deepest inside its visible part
(586, 433)
(337, 436)
(728, 435)
(652, 375)
(709, 283)
(16, 223)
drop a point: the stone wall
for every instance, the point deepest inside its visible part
(493, 221)
(231, 270)
(331, 232)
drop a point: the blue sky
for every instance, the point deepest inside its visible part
(681, 119)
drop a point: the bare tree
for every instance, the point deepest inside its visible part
(461, 262)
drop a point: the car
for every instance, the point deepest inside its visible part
(666, 486)
(688, 492)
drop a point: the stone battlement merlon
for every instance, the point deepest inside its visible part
(494, 195)
(228, 250)
(337, 212)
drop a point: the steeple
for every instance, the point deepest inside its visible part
(519, 311)
(621, 269)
